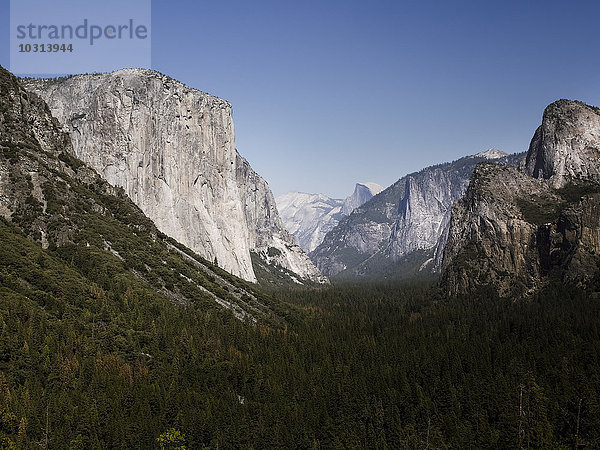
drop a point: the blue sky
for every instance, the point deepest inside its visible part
(327, 93)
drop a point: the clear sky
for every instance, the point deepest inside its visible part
(327, 93)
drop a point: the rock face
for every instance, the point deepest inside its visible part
(516, 229)
(309, 217)
(565, 146)
(363, 192)
(172, 149)
(423, 210)
(401, 232)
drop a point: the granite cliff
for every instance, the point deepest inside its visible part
(172, 149)
(566, 146)
(516, 229)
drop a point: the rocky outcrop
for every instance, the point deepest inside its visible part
(172, 149)
(517, 229)
(488, 235)
(268, 237)
(566, 145)
(401, 232)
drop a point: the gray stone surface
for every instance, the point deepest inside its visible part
(517, 229)
(566, 145)
(363, 192)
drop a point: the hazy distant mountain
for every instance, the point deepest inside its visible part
(309, 217)
(363, 192)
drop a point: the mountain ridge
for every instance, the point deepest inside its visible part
(403, 227)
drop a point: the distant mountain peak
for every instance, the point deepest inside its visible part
(492, 153)
(373, 187)
(363, 192)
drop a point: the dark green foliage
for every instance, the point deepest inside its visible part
(539, 210)
(367, 366)
(71, 161)
(575, 191)
(10, 151)
(272, 252)
(53, 80)
(542, 210)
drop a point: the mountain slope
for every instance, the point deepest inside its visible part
(401, 231)
(172, 149)
(516, 230)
